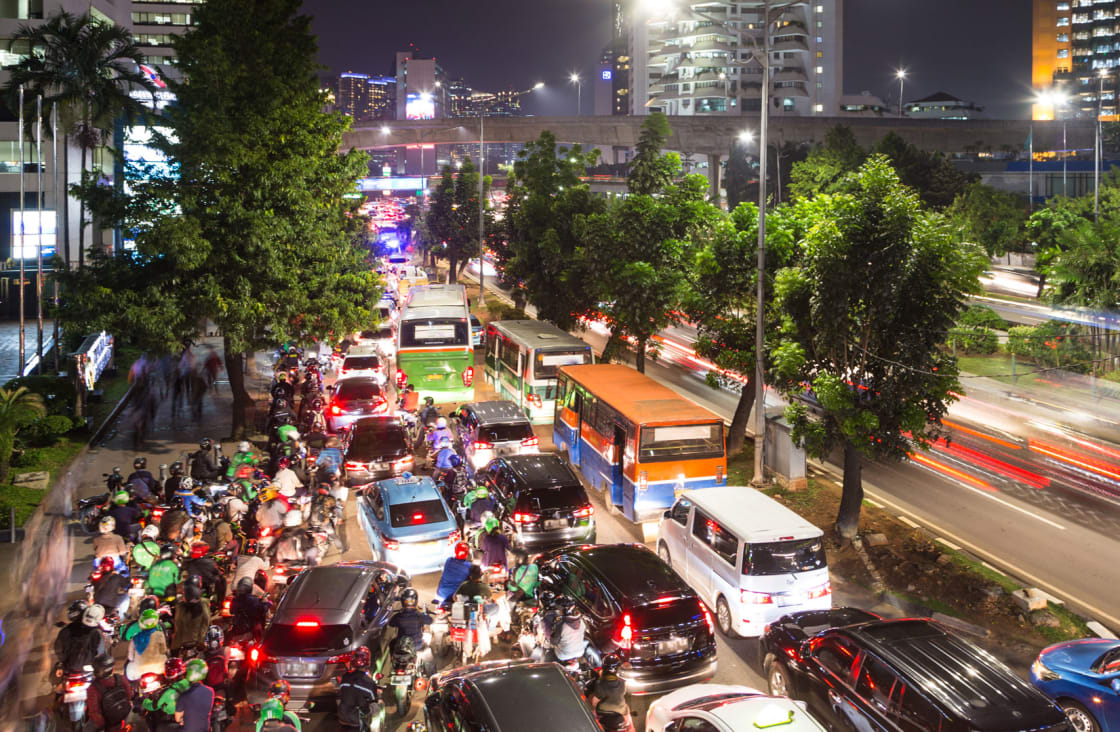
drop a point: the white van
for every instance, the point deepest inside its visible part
(749, 557)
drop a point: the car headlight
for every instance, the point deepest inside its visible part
(1039, 670)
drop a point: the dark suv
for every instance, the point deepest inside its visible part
(542, 498)
(858, 672)
(319, 622)
(376, 448)
(635, 604)
(507, 696)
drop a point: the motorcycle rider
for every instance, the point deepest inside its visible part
(293, 544)
(146, 552)
(286, 478)
(164, 574)
(81, 640)
(273, 709)
(444, 455)
(412, 623)
(147, 649)
(109, 698)
(109, 544)
(202, 566)
(162, 710)
(282, 389)
(410, 398)
(192, 708)
(273, 507)
(453, 488)
(441, 432)
(481, 503)
(171, 485)
(326, 512)
(429, 414)
(141, 474)
(568, 637)
(110, 590)
(248, 564)
(203, 468)
(249, 612)
(185, 494)
(525, 580)
(217, 670)
(493, 544)
(357, 693)
(608, 693)
(192, 617)
(125, 514)
(328, 464)
(455, 571)
(243, 456)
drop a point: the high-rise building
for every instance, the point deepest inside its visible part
(700, 61)
(1076, 47)
(351, 95)
(381, 96)
(422, 89)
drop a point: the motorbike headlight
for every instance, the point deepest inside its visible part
(1040, 670)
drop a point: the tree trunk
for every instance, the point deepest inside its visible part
(1041, 285)
(737, 433)
(452, 269)
(847, 519)
(235, 363)
(611, 348)
(640, 355)
(82, 219)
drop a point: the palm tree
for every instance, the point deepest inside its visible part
(18, 407)
(85, 67)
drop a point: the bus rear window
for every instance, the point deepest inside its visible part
(440, 332)
(785, 557)
(685, 441)
(547, 363)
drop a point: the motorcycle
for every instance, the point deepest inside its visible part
(610, 721)
(90, 511)
(469, 632)
(72, 694)
(526, 630)
(405, 676)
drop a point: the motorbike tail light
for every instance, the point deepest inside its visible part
(403, 464)
(586, 512)
(526, 518)
(73, 684)
(453, 538)
(421, 683)
(225, 606)
(480, 445)
(266, 531)
(468, 376)
(401, 378)
(533, 441)
(341, 658)
(626, 633)
(157, 514)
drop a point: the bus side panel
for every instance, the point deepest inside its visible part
(595, 463)
(564, 435)
(665, 482)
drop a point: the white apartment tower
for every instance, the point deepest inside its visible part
(699, 59)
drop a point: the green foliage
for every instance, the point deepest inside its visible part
(981, 316)
(992, 218)
(826, 165)
(741, 177)
(974, 339)
(650, 170)
(46, 430)
(1052, 344)
(19, 407)
(56, 392)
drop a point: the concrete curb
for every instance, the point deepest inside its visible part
(111, 418)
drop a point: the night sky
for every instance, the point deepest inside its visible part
(978, 50)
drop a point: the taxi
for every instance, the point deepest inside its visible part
(408, 523)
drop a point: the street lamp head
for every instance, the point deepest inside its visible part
(746, 137)
(574, 77)
(385, 129)
(538, 85)
(900, 74)
(659, 8)
(1103, 73)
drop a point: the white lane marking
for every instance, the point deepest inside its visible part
(1010, 505)
(908, 522)
(949, 544)
(1100, 630)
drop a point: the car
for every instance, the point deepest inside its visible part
(542, 498)
(636, 605)
(319, 621)
(902, 674)
(493, 429)
(727, 708)
(397, 259)
(353, 398)
(1083, 676)
(360, 362)
(376, 448)
(478, 333)
(408, 523)
(387, 310)
(409, 276)
(507, 696)
(385, 340)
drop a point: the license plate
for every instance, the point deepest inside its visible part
(300, 670)
(74, 696)
(401, 679)
(379, 466)
(787, 600)
(673, 645)
(434, 377)
(555, 524)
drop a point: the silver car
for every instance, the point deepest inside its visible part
(494, 429)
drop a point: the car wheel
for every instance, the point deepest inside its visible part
(777, 678)
(1081, 718)
(723, 618)
(663, 552)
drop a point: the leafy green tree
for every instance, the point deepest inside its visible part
(877, 283)
(19, 407)
(650, 170)
(992, 218)
(86, 68)
(440, 217)
(462, 245)
(826, 165)
(936, 180)
(1086, 272)
(255, 232)
(1046, 228)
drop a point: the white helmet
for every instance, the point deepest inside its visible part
(93, 616)
(293, 435)
(151, 531)
(441, 423)
(293, 518)
(244, 446)
(107, 524)
(288, 491)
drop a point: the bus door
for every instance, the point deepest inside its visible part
(618, 449)
(567, 419)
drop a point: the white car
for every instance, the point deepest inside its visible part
(727, 708)
(363, 363)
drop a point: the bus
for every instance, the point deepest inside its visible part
(636, 440)
(434, 351)
(523, 358)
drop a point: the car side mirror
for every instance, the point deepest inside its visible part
(1116, 685)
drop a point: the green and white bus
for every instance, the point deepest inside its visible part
(523, 358)
(434, 351)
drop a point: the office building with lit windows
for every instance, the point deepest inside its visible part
(700, 60)
(1076, 52)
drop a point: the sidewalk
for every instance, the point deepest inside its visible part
(9, 345)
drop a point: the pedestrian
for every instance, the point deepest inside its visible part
(212, 366)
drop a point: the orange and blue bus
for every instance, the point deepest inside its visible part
(639, 442)
(434, 351)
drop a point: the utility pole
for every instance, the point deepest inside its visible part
(760, 310)
(481, 211)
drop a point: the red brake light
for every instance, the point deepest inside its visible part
(417, 518)
(626, 633)
(391, 545)
(707, 618)
(336, 410)
(585, 512)
(382, 406)
(403, 464)
(351, 465)
(343, 658)
(479, 445)
(468, 376)
(400, 378)
(307, 624)
(823, 591)
(525, 518)
(531, 441)
(254, 654)
(265, 531)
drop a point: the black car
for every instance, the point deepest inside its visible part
(542, 498)
(353, 398)
(859, 672)
(376, 448)
(635, 604)
(321, 619)
(507, 696)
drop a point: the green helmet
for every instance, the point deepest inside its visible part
(196, 670)
(148, 619)
(481, 492)
(120, 498)
(490, 524)
(271, 709)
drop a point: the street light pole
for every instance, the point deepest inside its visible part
(481, 211)
(575, 79)
(1097, 151)
(901, 75)
(760, 310)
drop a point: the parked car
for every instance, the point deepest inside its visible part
(478, 334)
(507, 696)
(724, 708)
(636, 605)
(1083, 676)
(494, 429)
(318, 623)
(352, 399)
(407, 522)
(907, 674)
(749, 557)
(542, 498)
(375, 448)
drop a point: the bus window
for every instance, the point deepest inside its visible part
(510, 355)
(547, 364)
(674, 442)
(435, 332)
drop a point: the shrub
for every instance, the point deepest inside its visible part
(46, 430)
(975, 339)
(57, 392)
(982, 317)
(500, 311)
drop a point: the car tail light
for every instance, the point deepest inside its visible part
(586, 512)
(307, 624)
(479, 445)
(353, 465)
(381, 407)
(391, 545)
(403, 464)
(534, 400)
(626, 633)
(823, 591)
(468, 376)
(707, 618)
(401, 378)
(525, 518)
(756, 598)
(719, 475)
(533, 441)
(341, 658)
(336, 410)
(418, 518)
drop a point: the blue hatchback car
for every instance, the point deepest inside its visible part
(1083, 676)
(407, 523)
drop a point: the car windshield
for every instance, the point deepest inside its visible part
(505, 432)
(674, 442)
(383, 333)
(435, 332)
(306, 638)
(545, 499)
(361, 362)
(785, 557)
(1110, 662)
(358, 391)
(416, 513)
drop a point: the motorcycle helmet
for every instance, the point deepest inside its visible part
(548, 597)
(167, 551)
(409, 598)
(140, 463)
(192, 593)
(151, 531)
(106, 565)
(199, 550)
(273, 708)
(93, 616)
(280, 690)
(282, 463)
(293, 519)
(148, 602)
(206, 444)
(196, 670)
(429, 401)
(76, 610)
(611, 663)
(244, 586)
(282, 376)
(107, 525)
(360, 659)
(456, 461)
(120, 498)
(174, 669)
(441, 423)
(462, 550)
(177, 468)
(481, 492)
(103, 666)
(244, 446)
(490, 524)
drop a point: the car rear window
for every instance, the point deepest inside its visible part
(358, 390)
(416, 513)
(545, 499)
(683, 611)
(785, 557)
(306, 638)
(368, 440)
(383, 333)
(505, 432)
(368, 334)
(361, 362)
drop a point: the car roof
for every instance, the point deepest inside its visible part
(408, 490)
(362, 352)
(539, 334)
(751, 515)
(426, 312)
(377, 424)
(523, 696)
(635, 572)
(333, 593)
(499, 411)
(543, 469)
(765, 712)
(965, 680)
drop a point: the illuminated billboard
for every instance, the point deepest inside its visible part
(31, 238)
(393, 184)
(420, 106)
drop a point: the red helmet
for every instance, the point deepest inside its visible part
(360, 658)
(198, 550)
(280, 690)
(106, 565)
(462, 550)
(174, 669)
(283, 463)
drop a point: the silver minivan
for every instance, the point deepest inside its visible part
(750, 558)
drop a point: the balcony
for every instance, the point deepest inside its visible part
(790, 74)
(712, 45)
(789, 43)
